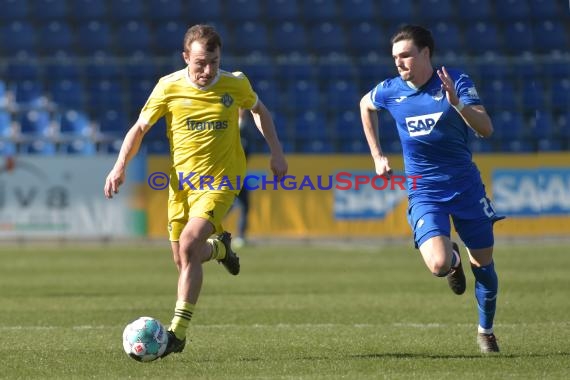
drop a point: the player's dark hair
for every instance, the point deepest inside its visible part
(421, 36)
(203, 33)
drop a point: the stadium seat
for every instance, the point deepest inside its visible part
(94, 36)
(168, 38)
(448, 38)
(68, 94)
(72, 124)
(509, 126)
(560, 91)
(258, 70)
(23, 68)
(474, 10)
(81, 146)
(6, 130)
(544, 9)
(28, 93)
(133, 37)
(519, 37)
(240, 11)
(49, 10)
(113, 123)
(298, 69)
(336, 69)
(105, 95)
(347, 125)
(367, 37)
(499, 95)
(477, 145)
(311, 124)
(35, 123)
(102, 67)
(431, 11)
(54, 38)
(327, 38)
(396, 11)
(8, 148)
(123, 11)
(252, 37)
(281, 11)
(139, 91)
(88, 10)
(533, 95)
(550, 36)
(206, 11)
(62, 68)
(142, 67)
(319, 11)
(341, 94)
(40, 147)
(512, 10)
(269, 92)
(543, 126)
(302, 96)
(289, 37)
(16, 37)
(483, 37)
(165, 11)
(14, 10)
(356, 11)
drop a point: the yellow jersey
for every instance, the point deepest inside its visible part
(202, 128)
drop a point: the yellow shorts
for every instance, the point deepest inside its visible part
(210, 205)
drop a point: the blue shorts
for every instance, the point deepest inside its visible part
(473, 216)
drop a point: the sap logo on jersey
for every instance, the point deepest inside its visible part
(423, 124)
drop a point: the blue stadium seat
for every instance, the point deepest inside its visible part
(563, 124)
(269, 93)
(102, 68)
(169, 37)
(7, 148)
(23, 68)
(483, 37)
(296, 70)
(519, 37)
(533, 95)
(62, 68)
(206, 11)
(16, 37)
(252, 37)
(133, 37)
(327, 38)
(113, 123)
(14, 10)
(432, 11)
(290, 37)
(448, 38)
(68, 94)
(512, 10)
(73, 123)
(28, 93)
(545, 9)
(555, 69)
(56, 37)
(35, 124)
(509, 126)
(347, 125)
(81, 146)
(561, 95)
(474, 10)
(312, 132)
(89, 10)
(164, 11)
(543, 126)
(302, 96)
(367, 37)
(256, 71)
(281, 11)
(499, 96)
(139, 92)
(550, 35)
(319, 11)
(356, 11)
(477, 145)
(121, 11)
(240, 11)
(341, 94)
(105, 95)
(396, 11)
(6, 130)
(336, 69)
(40, 147)
(94, 36)
(49, 10)
(142, 67)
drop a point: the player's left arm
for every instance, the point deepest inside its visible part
(264, 122)
(475, 116)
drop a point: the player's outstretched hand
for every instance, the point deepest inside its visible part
(382, 166)
(279, 165)
(115, 179)
(448, 85)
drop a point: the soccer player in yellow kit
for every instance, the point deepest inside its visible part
(201, 105)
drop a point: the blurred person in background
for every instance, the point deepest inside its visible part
(434, 110)
(201, 105)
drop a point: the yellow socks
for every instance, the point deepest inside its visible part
(218, 249)
(182, 316)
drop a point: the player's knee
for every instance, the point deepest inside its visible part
(440, 268)
(189, 250)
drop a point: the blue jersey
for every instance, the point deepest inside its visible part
(433, 134)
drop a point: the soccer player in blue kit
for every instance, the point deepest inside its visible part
(434, 110)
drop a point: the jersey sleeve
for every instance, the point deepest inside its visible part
(155, 106)
(466, 90)
(377, 95)
(248, 97)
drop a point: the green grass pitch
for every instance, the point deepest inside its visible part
(295, 312)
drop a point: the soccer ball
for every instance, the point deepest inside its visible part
(145, 339)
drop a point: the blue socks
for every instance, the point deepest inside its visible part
(486, 287)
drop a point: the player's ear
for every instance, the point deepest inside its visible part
(186, 57)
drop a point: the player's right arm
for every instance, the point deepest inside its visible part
(129, 149)
(369, 116)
